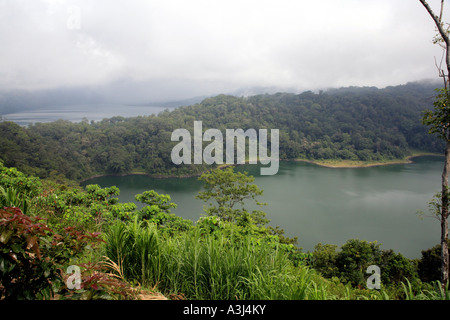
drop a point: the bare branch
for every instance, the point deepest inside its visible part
(440, 70)
(437, 21)
(444, 35)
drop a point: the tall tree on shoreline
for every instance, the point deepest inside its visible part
(439, 122)
(229, 191)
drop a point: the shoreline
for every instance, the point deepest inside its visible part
(334, 164)
(155, 176)
(352, 164)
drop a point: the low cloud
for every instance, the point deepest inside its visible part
(177, 49)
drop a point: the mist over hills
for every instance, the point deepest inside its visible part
(130, 93)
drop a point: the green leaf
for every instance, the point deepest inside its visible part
(17, 248)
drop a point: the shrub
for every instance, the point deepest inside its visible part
(324, 259)
(97, 282)
(396, 268)
(13, 178)
(31, 255)
(10, 197)
(354, 258)
(25, 272)
(429, 265)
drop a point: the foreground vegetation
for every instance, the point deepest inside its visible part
(61, 241)
(230, 253)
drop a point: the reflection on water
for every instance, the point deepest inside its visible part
(327, 205)
(76, 113)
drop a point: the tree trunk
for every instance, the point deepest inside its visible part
(439, 25)
(444, 218)
(445, 172)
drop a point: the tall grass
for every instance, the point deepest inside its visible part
(135, 249)
(224, 268)
(209, 267)
(436, 293)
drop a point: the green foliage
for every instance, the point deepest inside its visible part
(396, 268)
(210, 225)
(12, 198)
(31, 255)
(12, 178)
(350, 262)
(207, 266)
(77, 215)
(354, 258)
(122, 211)
(98, 283)
(158, 206)
(134, 247)
(89, 209)
(280, 234)
(436, 292)
(351, 123)
(218, 258)
(32, 252)
(435, 206)
(324, 259)
(24, 272)
(157, 211)
(230, 193)
(68, 244)
(229, 190)
(95, 192)
(439, 119)
(429, 265)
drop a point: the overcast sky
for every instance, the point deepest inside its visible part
(184, 48)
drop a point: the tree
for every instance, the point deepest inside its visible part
(324, 259)
(354, 258)
(157, 206)
(230, 190)
(439, 122)
(396, 268)
(429, 265)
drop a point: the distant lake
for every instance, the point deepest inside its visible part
(76, 113)
(326, 205)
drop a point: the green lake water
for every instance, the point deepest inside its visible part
(326, 205)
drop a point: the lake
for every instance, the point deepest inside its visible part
(76, 113)
(327, 205)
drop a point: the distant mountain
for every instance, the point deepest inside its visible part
(142, 94)
(21, 100)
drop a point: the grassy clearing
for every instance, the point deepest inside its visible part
(339, 163)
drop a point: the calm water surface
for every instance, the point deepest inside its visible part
(76, 113)
(326, 205)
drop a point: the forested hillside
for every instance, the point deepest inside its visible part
(367, 124)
